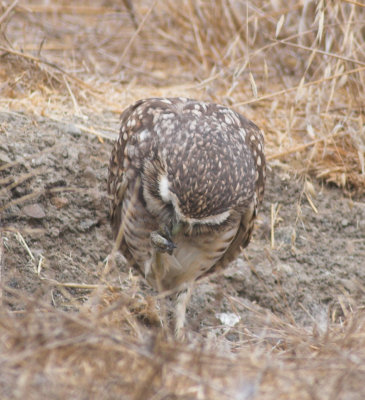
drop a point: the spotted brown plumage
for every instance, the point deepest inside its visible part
(185, 178)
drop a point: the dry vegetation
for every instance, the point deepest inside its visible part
(297, 69)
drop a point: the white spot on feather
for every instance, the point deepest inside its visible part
(243, 134)
(164, 188)
(227, 119)
(143, 135)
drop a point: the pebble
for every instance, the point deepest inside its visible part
(87, 224)
(73, 130)
(228, 319)
(54, 232)
(49, 141)
(34, 211)
(59, 202)
(4, 158)
(285, 268)
(90, 174)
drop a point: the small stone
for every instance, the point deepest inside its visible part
(36, 162)
(59, 202)
(87, 224)
(49, 141)
(19, 191)
(350, 248)
(34, 211)
(350, 285)
(345, 222)
(4, 158)
(90, 174)
(285, 268)
(73, 130)
(54, 232)
(228, 319)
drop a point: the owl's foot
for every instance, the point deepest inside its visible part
(162, 241)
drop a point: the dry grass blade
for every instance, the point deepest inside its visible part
(36, 194)
(305, 85)
(19, 181)
(50, 64)
(8, 11)
(319, 51)
(140, 27)
(310, 201)
(356, 3)
(299, 148)
(64, 9)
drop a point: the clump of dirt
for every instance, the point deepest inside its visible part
(307, 266)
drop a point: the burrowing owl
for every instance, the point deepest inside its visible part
(185, 178)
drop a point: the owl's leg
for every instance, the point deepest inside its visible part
(181, 300)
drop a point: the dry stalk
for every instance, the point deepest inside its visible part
(140, 27)
(301, 86)
(8, 11)
(50, 64)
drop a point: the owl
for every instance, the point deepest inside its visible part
(185, 181)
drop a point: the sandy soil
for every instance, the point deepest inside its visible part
(314, 272)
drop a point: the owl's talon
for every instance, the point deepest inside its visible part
(161, 243)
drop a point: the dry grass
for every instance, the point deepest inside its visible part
(105, 352)
(297, 69)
